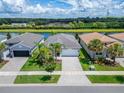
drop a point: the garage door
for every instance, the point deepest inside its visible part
(21, 53)
(69, 53)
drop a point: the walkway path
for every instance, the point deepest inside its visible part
(14, 64)
(72, 64)
(121, 61)
(11, 73)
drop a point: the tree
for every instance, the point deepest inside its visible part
(96, 46)
(40, 45)
(50, 67)
(56, 49)
(2, 47)
(115, 50)
(8, 35)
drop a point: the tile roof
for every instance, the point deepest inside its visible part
(68, 41)
(119, 36)
(27, 39)
(91, 36)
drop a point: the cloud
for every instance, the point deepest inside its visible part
(76, 8)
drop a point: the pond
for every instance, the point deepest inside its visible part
(46, 35)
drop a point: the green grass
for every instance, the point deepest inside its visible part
(36, 79)
(98, 67)
(106, 79)
(29, 66)
(62, 30)
(85, 64)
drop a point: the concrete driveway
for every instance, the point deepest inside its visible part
(120, 61)
(72, 64)
(14, 64)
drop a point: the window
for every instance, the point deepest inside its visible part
(100, 53)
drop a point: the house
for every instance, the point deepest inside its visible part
(70, 46)
(23, 45)
(85, 39)
(19, 24)
(118, 36)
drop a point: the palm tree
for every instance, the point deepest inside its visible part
(96, 46)
(40, 45)
(115, 50)
(2, 47)
(56, 48)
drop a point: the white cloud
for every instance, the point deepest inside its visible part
(78, 7)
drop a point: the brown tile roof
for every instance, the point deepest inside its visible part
(119, 36)
(91, 36)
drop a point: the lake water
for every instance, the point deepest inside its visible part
(46, 35)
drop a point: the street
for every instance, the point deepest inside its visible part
(62, 89)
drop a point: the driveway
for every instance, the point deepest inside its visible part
(72, 64)
(121, 61)
(14, 64)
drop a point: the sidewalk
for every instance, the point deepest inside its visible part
(12, 73)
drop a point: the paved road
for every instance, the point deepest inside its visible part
(72, 64)
(63, 89)
(14, 64)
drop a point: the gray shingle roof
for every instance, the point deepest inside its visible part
(27, 39)
(68, 41)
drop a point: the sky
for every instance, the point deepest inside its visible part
(61, 8)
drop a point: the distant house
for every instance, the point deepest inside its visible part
(23, 45)
(85, 39)
(70, 46)
(19, 24)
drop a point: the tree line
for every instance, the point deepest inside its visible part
(67, 23)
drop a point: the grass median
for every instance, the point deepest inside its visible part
(114, 79)
(36, 79)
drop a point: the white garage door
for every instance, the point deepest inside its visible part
(69, 53)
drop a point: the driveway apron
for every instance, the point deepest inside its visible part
(72, 64)
(14, 64)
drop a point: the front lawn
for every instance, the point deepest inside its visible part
(36, 79)
(106, 79)
(99, 67)
(30, 66)
(85, 64)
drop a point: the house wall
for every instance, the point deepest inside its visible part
(121, 42)
(91, 53)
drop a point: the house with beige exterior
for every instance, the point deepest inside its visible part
(85, 39)
(119, 37)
